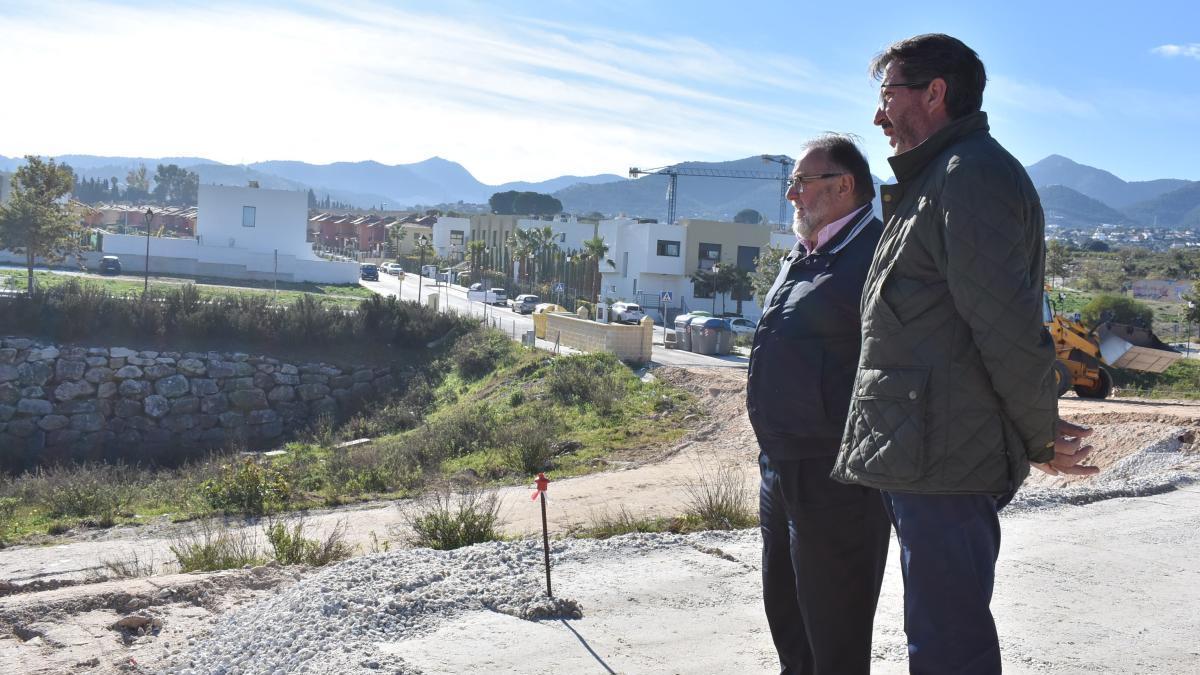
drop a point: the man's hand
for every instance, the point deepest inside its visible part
(1067, 451)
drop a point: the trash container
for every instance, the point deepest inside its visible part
(706, 335)
(683, 339)
(725, 338)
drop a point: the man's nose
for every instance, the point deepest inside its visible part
(880, 118)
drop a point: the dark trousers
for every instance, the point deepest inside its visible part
(948, 550)
(824, 551)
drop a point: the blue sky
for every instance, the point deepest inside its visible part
(524, 90)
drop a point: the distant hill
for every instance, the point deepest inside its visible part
(1097, 183)
(1074, 209)
(1081, 194)
(1178, 208)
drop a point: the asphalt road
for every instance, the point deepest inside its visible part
(503, 318)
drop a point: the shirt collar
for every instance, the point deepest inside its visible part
(826, 233)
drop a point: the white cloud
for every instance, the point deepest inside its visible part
(1192, 50)
(1036, 98)
(511, 99)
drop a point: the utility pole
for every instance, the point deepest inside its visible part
(149, 218)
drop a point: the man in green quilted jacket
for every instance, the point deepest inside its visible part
(955, 394)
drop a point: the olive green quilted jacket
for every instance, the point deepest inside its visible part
(955, 388)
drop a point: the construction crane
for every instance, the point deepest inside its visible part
(674, 171)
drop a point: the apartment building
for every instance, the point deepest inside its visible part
(648, 258)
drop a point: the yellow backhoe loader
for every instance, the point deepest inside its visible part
(1085, 356)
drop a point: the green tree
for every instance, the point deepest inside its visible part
(1118, 309)
(513, 202)
(748, 216)
(137, 184)
(475, 249)
(1058, 260)
(37, 221)
(766, 268)
(175, 186)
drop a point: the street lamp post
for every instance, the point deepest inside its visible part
(149, 218)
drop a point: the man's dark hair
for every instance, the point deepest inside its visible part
(842, 150)
(925, 57)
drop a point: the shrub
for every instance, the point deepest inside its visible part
(720, 500)
(129, 567)
(462, 430)
(480, 352)
(98, 491)
(1118, 309)
(209, 547)
(247, 487)
(445, 521)
(291, 547)
(8, 513)
(528, 439)
(594, 379)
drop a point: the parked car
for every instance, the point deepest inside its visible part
(497, 296)
(525, 303)
(392, 268)
(627, 312)
(739, 324)
(368, 272)
(110, 264)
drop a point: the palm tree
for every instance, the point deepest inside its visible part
(521, 247)
(543, 240)
(595, 250)
(475, 250)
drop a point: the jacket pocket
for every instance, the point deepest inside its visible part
(887, 436)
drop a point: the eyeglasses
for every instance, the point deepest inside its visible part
(797, 183)
(903, 85)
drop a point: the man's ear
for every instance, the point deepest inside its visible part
(935, 94)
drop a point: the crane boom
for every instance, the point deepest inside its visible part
(673, 172)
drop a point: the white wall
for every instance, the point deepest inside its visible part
(570, 233)
(441, 235)
(189, 257)
(280, 223)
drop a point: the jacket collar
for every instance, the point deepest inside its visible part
(861, 217)
(908, 165)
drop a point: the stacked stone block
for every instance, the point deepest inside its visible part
(73, 399)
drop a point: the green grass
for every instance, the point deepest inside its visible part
(566, 416)
(341, 295)
(1181, 380)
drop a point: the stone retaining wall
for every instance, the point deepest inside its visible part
(70, 401)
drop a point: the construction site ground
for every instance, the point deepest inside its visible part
(1089, 585)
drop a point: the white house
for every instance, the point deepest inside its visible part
(241, 233)
(450, 235)
(649, 258)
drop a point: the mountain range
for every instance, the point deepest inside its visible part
(1073, 194)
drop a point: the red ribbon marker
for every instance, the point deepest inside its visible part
(542, 483)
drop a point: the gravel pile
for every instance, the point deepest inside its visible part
(334, 620)
(1162, 465)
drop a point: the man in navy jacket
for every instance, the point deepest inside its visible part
(824, 542)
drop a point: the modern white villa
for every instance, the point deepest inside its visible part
(241, 233)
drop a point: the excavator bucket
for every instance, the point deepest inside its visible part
(1134, 348)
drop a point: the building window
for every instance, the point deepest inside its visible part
(745, 261)
(248, 216)
(668, 248)
(710, 254)
(456, 238)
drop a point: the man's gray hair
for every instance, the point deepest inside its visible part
(844, 151)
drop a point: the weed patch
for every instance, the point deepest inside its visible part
(210, 547)
(719, 499)
(443, 520)
(290, 547)
(246, 487)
